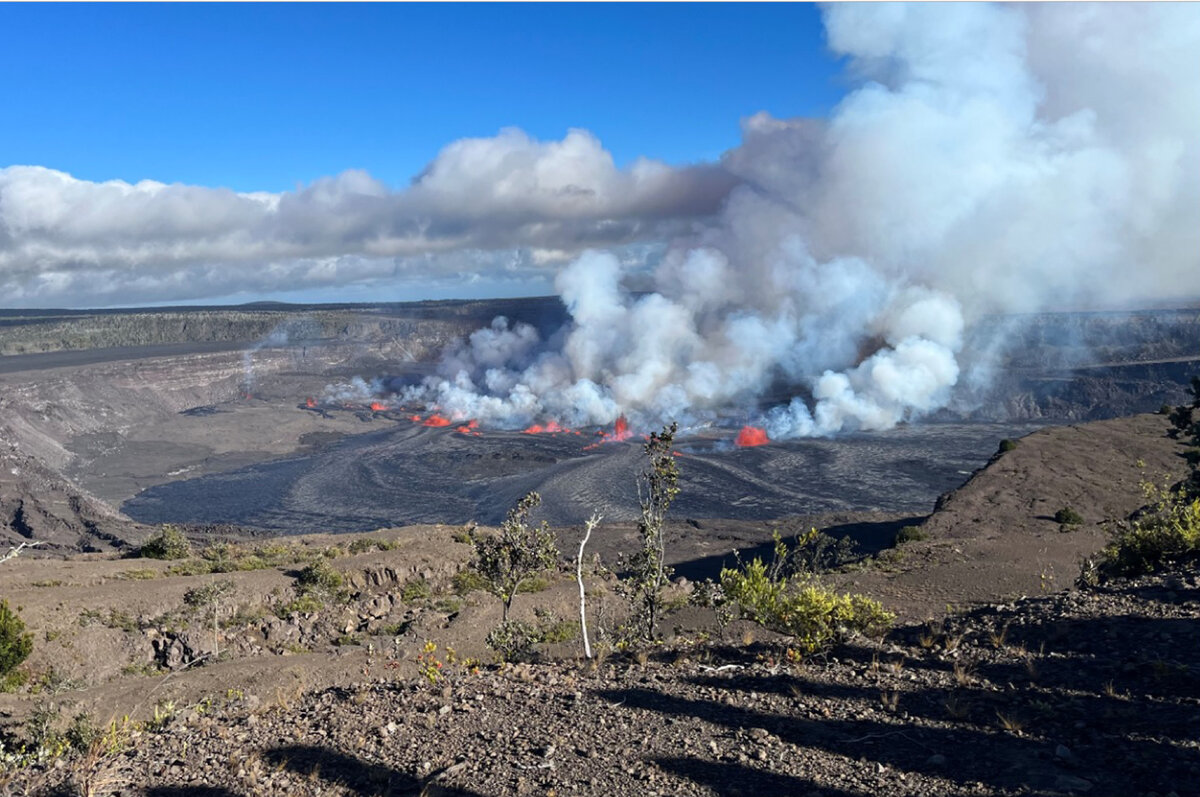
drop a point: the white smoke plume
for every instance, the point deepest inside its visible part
(993, 158)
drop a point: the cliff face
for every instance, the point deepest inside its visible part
(1078, 366)
(426, 326)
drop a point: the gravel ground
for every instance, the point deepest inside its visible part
(1084, 692)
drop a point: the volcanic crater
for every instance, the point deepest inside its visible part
(283, 420)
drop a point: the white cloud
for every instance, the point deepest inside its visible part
(529, 203)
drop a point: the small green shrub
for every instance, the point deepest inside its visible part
(1068, 517)
(14, 680)
(319, 576)
(513, 640)
(560, 631)
(15, 643)
(813, 552)
(534, 585)
(395, 629)
(1166, 535)
(1007, 445)
(910, 534)
(303, 604)
(417, 589)
(815, 617)
(467, 581)
(169, 544)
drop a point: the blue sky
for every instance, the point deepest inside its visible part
(266, 97)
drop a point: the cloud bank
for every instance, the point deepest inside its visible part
(508, 203)
(993, 158)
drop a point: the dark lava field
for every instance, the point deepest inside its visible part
(410, 473)
(199, 416)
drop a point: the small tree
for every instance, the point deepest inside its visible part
(169, 544)
(209, 597)
(658, 485)
(519, 552)
(15, 643)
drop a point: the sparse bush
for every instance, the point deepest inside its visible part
(815, 617)
(319, 576)
(910, 534)
(534, 585)
(519, 552)
(513, 640)
(1068, 517)
(169, 544)
(303, 604)
(1007, 445)
(15, 643)
(467, 581)
(658, 486)
(415, 590)
(560, 631)
(1169, 533)
(815, 552)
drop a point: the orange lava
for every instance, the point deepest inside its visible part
(620, 432)
(469, 428)
(551, 427)
(437, 420)
(377, 406)
(310, 402)
(751, 436)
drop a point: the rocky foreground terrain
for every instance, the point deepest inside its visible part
(999, 679)
(1078, 693)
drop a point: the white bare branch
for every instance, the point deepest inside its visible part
(15, 551)
(591, 524)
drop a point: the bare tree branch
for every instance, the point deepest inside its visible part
(15, 551)
(591, 524)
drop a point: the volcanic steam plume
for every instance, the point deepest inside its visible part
(991, 159)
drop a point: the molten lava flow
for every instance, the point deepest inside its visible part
(469, 428)
(751, 436)
(551, 427)
(310, 402)
(620, 432)
(377, 406)
(437, 420)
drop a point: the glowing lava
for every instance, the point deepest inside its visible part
(436, 420)
(551, 427)
(620, 432)
(310, 402)
(378, 406)
(469, 428)
(751, 436)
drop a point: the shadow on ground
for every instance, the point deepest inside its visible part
(360, 776)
